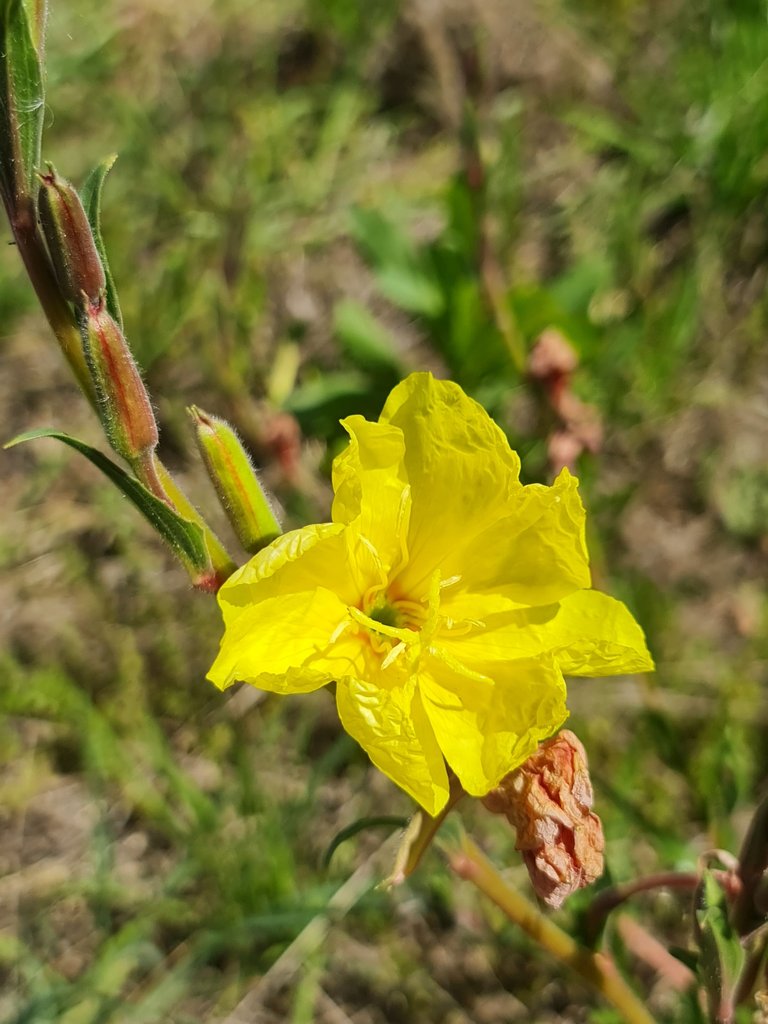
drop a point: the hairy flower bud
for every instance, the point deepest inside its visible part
(123, 403)
(235, 480)
(548, 800)
(71, 246)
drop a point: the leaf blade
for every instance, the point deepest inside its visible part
(185, 537)
(90, 194)
(22, 101)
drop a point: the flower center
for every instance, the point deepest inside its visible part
(387, 614)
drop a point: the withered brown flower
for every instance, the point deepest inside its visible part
(549, 802)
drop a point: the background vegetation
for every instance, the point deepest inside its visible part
(294, 224)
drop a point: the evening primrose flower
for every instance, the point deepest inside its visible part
(445, 600)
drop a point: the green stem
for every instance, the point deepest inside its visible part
(22, 217)
(223, 565)
(147, 471)
(468, 862)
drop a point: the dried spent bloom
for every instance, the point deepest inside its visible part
(548, 800)
(445, 600)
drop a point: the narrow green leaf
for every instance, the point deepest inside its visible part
(383, 242)
(374, 821)
(184, 537)
(365, 339)
(21, 101)
(411, 290)
(401, 271)
(90, 194)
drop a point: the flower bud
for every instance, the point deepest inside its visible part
(123, 402)
(76, 261)
(548, 800)
(235, 480)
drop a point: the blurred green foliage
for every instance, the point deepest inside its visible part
(293, 225)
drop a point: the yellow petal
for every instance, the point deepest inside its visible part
(371, 489)
(391, 726)
(461, 471)
(535, 554)
(588, 633)
(372, 447)
(593, 634)
(286, 644)
(331, 556)
(488, 727)
(285, 563)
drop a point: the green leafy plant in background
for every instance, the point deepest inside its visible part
(479, 326)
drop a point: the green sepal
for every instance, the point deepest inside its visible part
(184, 537)
(90, 194)
(237, 486)
(22, 100)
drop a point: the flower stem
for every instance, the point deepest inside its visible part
(469, 863)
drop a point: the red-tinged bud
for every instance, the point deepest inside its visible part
(548, 800)
(240, 493)
(76, 261)
(123, 403)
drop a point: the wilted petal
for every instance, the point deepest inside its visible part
(549, 801)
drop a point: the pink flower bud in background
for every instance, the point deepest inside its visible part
(123, 403)
(75, 259)
(549, 800)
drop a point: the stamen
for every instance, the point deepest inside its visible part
(377, 559)
(394, 653)
(456, 665)
(369, 597)
(342, 627)
(405, 497)
(431, 620)
(411, 609)
(379, 645)
(458, 628)
(406, 635)
(449, 581)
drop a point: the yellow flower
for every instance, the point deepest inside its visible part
(445, 600)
